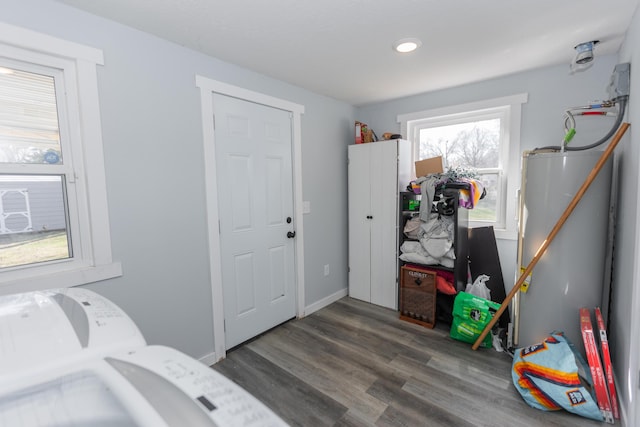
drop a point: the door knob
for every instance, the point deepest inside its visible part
(291, 234)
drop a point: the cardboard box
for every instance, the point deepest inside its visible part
(428, 166)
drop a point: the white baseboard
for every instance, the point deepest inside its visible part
(325, 302)
(209, 360)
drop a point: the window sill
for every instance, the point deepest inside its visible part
(61, 279)
(503, 234)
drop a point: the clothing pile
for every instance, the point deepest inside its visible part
(433, 230)
(434, 238)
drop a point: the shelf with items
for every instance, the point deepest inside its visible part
(440, 247)
(448, 247)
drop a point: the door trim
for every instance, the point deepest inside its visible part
(207, 88)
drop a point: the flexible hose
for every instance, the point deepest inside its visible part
(569, 121)
(622, 102)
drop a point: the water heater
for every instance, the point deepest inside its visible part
(571, 272)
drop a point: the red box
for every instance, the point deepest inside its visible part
(358, 134)
(597, 374)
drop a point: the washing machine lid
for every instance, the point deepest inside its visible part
(80, 398)
(184, 391)
(151, 386)
(45, 327)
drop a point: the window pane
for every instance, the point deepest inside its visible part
(472, 145)
(33, 220)
(487, 209)
(29, 130)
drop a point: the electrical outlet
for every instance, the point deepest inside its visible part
(326, 269)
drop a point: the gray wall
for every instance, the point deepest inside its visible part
(152, 134)
(551, 90)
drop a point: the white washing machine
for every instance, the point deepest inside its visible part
(44, 329)
(70, 357)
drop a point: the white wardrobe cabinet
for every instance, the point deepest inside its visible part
(378, 171)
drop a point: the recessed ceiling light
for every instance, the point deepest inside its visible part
(407, 45)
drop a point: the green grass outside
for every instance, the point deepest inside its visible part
(30, 248)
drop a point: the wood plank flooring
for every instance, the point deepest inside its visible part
(357, 364)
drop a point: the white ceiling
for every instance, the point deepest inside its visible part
(342, 48)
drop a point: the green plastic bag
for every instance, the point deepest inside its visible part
(470, 316)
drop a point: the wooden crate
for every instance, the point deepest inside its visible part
(418, 295)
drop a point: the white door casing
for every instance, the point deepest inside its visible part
(207, 88)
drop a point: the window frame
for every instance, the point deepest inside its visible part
(86, 184)
(509, 110)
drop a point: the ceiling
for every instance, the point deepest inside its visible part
(343, 48)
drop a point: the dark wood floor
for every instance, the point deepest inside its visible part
(357, 364)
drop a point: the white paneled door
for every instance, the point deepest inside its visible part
(253, 144)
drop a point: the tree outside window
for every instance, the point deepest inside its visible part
(481, 136)
(471, 146)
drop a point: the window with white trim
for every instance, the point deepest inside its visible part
(54, 225)
(483, 138)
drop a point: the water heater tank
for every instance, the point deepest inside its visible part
(570, 274)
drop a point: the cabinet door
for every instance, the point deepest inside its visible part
(384, 224)
(359, 222)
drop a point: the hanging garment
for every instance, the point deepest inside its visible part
(428, 189)
(469, 198)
